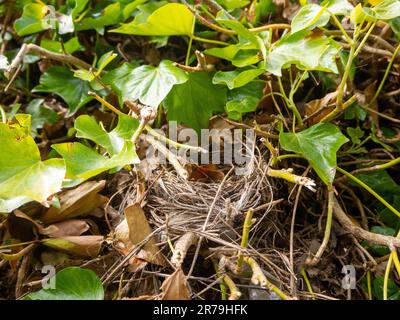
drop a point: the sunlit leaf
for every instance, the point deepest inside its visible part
(309, 17)
(386, 10)
(23, 176)
(237, 78)
(87, 128)
(338, 7)
(169, 20)
(305, 51)
(83, 162)
(32, 19)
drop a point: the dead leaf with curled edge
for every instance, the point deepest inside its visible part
(80, 246)
(204, 173)
(79, 201)
(175, 287)
(72, 227)
(133, 230)
(22, 227)
(316, 110)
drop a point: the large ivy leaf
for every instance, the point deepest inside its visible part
(113, 141)
(306, 52)
(32, 19)
(83, 162)
(318, 144)
(244, 99)
(72, 283)
(309, 17)
(61, 81)
(386, 10)
(148, 84)
(194, 101)
(169, 20)
(236, 78)
(23, 176)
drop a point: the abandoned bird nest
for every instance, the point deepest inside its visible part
(180, 205)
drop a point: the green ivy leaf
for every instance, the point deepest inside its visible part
(241, 55)
(386, 10)
(78, 7)
(32, 19)
(237, 78)
(83, 162)
(61, 81)
(171, 19)
(309, 17)
(355, 134)
(87, 128)
(393, 289)
(194, 101)
(244, 99)
(338, 7)
(318, 144)
(41, 114)
(306, 52)
(148, 84)
(23, 176)
(395, 25)
(130, 7)
(71, 46)
(111, 15)
(72, 283)
(378, 249)
(234, 4)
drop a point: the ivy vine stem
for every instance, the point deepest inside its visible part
(386, 278)
(189, 49)
(328, 227)
(291, 105)
(370, 190)
(378, 91)
(339, 99)
(205, 40)
(248, 222)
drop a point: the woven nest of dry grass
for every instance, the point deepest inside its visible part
(184, 205)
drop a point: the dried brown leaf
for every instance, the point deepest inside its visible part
(204, 173)
(139, 229)
(81, 246)
(21, 226)
(71, 227)
(175, 287)
(316, 110)
(79, 201)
